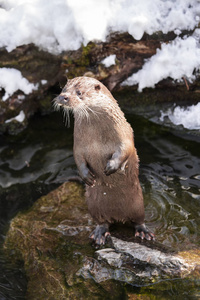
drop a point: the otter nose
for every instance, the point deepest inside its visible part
(63, 99)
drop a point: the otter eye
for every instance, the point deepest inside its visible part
(78, 93)
(97, 87)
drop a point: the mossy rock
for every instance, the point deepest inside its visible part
(51, 238)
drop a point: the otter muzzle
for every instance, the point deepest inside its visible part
(62, 100)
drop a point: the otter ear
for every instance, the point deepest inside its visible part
(97, 87)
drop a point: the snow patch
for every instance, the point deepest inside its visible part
(59, 25)
(109, 60)
(43, 81)
(12, 80)
(176, 60)
(20, 118)
(189, 117)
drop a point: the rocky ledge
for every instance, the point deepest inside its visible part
(51, 239)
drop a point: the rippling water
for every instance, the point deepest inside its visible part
(170, 174)
(40, 158)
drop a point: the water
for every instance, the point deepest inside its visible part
(40, 158)
(170, 174)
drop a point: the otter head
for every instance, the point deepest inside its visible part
(78, 93)
(87, 98)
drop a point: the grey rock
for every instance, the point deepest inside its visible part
(134, 263)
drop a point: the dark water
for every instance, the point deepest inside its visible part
(39, 159)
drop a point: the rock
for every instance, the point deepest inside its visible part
(52, 240)
(133, 257)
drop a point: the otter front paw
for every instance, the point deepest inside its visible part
(89, 179)
(87, 176)
(143, 232)
(111, 167)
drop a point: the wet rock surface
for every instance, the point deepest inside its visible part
(138, 264)
(52, 240)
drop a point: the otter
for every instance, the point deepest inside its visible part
(105, 156)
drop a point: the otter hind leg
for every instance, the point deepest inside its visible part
(100, 234)
(143, 232)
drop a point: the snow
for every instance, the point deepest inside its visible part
(20, 118)
(109, 60)
(43, 81)
(12, 80)
(177, 59)
(189, 116)
(60, 25)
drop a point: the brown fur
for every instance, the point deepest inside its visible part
(103, 137)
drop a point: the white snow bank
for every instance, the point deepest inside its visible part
(174, 60)
(59, 25)
(189, 117)
(12, 80)
(109, 60)
(20, 118)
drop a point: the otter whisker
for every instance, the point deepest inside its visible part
(63, 112)
(95, 113)
(81, 113)
(66, 116)
(56, 106)
(78, 114)
(87, 114)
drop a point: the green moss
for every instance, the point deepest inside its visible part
(78, 63)
(84, 59)
(192, 256)
(51, 258)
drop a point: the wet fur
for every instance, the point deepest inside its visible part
(101, 131)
